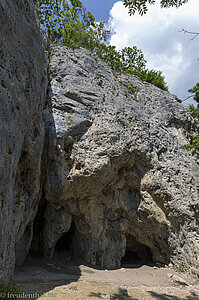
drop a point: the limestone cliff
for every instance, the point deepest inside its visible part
(23, 85)
(116, 166)
(100, 155)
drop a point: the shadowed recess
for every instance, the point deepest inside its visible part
(65, 244)
(136, 252)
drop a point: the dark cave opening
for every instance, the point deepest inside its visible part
(36, 248)
(136, 252)
(130, 257)
(65, 243)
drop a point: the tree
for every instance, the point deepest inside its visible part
(124, 60)
(131, 61)
(141, 5)
(195, 92)
(68, 23)
(194, 145)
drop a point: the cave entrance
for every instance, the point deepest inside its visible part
(64, 246)
(136, 252)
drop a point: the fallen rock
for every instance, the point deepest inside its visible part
(177, 279)
(195, 271)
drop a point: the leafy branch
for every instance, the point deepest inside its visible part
(141, 5)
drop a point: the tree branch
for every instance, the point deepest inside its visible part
(188, 97)
(190, 32)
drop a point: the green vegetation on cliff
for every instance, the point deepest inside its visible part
(194, 145)
(141, 7)
(68, 23)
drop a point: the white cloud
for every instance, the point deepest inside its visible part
(158, 35)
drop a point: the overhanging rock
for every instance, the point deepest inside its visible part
(116, 166)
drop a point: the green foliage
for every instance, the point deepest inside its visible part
(194, 111)
(122, 60)
(7, 290)
(195, 91)
(179, 269)
(132, 58)
(110, 55)
(194, 145)
(131, 61)
(141, 5)
(151, 76)
(68, 23)
(132, 90)
(131, 120)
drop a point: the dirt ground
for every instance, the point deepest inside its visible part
(72, 280)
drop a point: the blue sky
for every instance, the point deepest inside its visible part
(99, 8)
(158, 35)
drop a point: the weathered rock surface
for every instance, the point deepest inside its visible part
(116, 166)
(101, 158)
(23, 84)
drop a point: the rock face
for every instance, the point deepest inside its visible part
(116, 168)
(23, 84)
(93, 164)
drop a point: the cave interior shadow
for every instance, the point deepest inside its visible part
(69, 266)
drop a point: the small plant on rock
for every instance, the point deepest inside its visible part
(10, 290)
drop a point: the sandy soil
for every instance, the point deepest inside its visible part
(66, 279)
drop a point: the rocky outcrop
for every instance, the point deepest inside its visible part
(116, 167)
(93, 164)
(23, 84)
